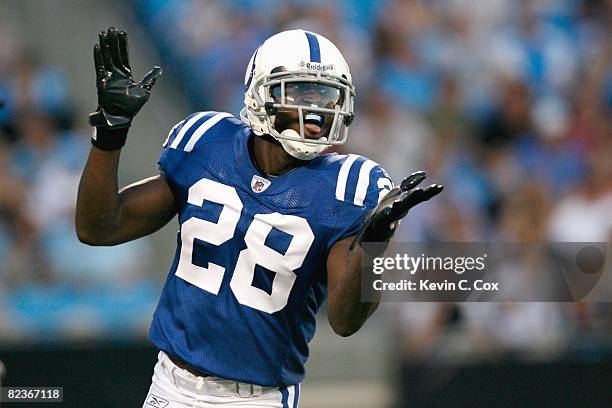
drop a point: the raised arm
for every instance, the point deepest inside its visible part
(346, 312)
(105, 215)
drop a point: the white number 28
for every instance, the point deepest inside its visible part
(256, 253)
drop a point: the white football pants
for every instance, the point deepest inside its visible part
(174, 387)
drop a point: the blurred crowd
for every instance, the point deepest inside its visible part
(51, 286)
(507, 103)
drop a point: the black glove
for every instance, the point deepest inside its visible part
(119, 97)
(380, 223)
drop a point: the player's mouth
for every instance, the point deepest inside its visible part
(313, 125)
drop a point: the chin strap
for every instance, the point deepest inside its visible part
(298, 149)
(295, 148)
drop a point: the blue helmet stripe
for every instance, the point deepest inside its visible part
(248, 84)
(285, 397)
(313, 43)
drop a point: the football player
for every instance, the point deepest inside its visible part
(269, 224)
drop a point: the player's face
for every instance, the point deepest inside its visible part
(308, 94)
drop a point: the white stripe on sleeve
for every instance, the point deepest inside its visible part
(363, 181)
(186, 127)
(203, 129)
(170, 133)
(343, 176)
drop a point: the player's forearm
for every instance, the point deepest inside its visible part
(98, 209)
(347, 312)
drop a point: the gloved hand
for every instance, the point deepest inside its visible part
(119, 96)
(380, 223)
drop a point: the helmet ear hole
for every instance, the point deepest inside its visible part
(349, 119)
(270, 109)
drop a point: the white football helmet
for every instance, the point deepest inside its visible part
(305, 78)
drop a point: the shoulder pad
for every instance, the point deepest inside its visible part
(185, 134)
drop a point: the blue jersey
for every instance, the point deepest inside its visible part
(250, 268)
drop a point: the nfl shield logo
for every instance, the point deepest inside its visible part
(259, 184)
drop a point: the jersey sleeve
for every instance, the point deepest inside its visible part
(361, 185)
(185, 137)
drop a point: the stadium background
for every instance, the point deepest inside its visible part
(507, 103)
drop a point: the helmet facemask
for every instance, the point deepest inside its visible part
(321, 103)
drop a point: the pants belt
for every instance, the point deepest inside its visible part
(197, 382)
(180, 363)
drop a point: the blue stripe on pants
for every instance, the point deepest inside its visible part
(285, 395)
